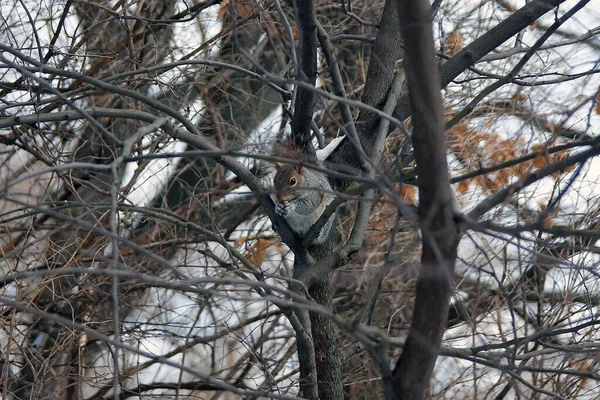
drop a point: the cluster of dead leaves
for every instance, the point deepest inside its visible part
(244, 8)
(255, 249)
(478, 150)
(250, 9)
(383, 216)
(453, 44)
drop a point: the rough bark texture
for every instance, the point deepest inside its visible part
(440, 237)
(327, 352)
(387, 50)
(305, 97)
(324, 360)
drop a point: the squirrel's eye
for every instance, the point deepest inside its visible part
(292, 181)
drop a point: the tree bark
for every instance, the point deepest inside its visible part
(440, 236)
(387, 50)
(327, 351)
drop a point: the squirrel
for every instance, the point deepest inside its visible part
(302, 194)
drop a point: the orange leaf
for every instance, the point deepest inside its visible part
(463, 186)
(239, 242)
(256, 254)
(548, 222)
(519, 98)
(503, 176)
(409, 194)
(243, 7)
(454, 43)
(223, 9)
(540, 162)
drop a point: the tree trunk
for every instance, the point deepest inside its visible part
(440, 236)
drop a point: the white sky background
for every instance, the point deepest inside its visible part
(492, 255)
(543, 100)
(491, 260)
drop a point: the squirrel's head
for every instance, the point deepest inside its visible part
(287, 181)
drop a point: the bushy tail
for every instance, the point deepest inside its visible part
(290, 149)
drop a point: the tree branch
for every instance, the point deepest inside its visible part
(440, 236)
(305, 97)
(481, 47)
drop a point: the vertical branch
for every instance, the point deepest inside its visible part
(321, 362)
(387, 50)
(306, 353)
(305, 98)
(440, 236)
(301, 121)
(327, 351)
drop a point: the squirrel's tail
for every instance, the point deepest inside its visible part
(290, 148)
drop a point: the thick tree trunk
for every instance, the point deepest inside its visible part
(440, 236)
(327, 351)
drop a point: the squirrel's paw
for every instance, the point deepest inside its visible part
(282, 209)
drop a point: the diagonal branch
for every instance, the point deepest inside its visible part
(485, 44)
(502, 195)
(513, 72)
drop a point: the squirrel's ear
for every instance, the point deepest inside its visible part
(278, 164)
(298, 168)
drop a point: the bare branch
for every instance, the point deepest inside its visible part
(440, 235)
